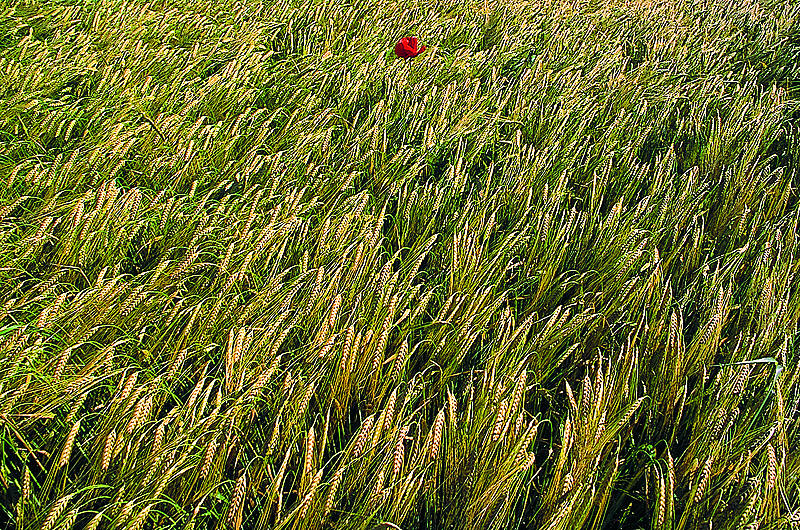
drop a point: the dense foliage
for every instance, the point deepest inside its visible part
(258, 272)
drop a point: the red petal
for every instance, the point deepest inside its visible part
(401, 49)
(407, 48)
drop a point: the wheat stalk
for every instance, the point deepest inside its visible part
(70, 441)
(399, 452)
(772, 467)
(234, 518)
(208, 457)
(94, 522)
(309, 497)
(500, 420)
(56, 511)
(360, 440)
(702, 480)
(334, 487)
(308, 461)
(438, 424)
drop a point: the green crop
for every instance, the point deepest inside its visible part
(258, 272)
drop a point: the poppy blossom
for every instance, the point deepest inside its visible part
(407, 48)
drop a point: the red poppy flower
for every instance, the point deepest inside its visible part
(407, 48)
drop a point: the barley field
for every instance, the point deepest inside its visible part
(258, 272)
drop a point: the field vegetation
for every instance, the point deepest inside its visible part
(258, 272)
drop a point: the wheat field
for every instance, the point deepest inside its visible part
(258, 272)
